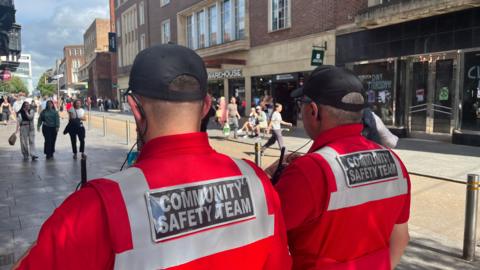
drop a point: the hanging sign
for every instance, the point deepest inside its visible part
(317, 57)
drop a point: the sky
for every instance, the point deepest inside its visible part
(49, 25)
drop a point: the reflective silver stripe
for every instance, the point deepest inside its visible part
(347, 197)
(149, 255)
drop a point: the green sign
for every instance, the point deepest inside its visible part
(317, 57)
(444, 94)
(114, 85)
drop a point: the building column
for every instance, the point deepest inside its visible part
(225, 90)
(248, 93)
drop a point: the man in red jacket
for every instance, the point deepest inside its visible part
(182, 205)
(346, 202)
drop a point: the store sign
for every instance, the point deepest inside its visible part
(317, 57)
(112, 42)
(225, 74)
(285, 77)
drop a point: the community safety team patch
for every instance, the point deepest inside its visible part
(368, 167)
(180, 210)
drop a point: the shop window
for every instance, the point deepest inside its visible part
(378, 83)
(471, 92)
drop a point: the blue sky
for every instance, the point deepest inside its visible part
(49, 25)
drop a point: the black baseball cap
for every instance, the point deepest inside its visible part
(328, 85)
(156, 67)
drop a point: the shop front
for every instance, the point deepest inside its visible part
(270, 89)
(421, 77)
(228, 83)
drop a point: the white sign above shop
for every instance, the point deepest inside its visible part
(225, 74)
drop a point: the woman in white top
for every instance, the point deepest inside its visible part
(275, 126)
(76, 116)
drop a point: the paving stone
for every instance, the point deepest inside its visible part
(4, 211)
(31, 221)
(27, 206)
(24, 238)
(9, 224)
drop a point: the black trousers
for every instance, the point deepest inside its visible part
(50, 135)
(80, 132)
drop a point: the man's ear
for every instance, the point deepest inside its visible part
(135, 109)
(314, 109)
(207, 104)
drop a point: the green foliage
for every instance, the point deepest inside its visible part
(45, 88)
(15, 85)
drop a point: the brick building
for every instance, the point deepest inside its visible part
(254, 49)
(420, 61)
(73, 59)
(97, 68)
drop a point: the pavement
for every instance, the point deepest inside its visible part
(422, 157)
(30, 191)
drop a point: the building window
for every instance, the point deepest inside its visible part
(190, 32)
(141, 11)
(226, 21)
(119, 57)
(471, 92)
(212, 25)
(201, 42)
(166, 31)
(164, 2)
(142, 42)
(240, 19)
(280, 14)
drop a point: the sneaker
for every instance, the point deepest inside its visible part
(84, 156)
(75, 156)
(245, 136)
(34, 158)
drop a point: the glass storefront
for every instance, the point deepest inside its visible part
(378, 83)
(471, 92)
(267, 90)
(215, 88)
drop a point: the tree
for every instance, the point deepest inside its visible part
(45, 88)
(14, 85)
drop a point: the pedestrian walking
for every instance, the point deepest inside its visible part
(49, 121)
(233, 116)
(203, 210)
(25, 124)
(7, 110)
(346, 203)
(275, 126)
(76, 116)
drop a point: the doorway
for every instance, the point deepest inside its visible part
(432, 90)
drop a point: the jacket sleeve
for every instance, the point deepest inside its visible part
(57, 120)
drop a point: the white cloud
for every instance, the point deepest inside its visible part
(45, 37)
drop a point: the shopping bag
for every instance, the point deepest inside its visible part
(226, 130)
(12, 139)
